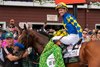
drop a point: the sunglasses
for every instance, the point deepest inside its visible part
(84, 33)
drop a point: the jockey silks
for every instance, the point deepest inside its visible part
(71, 25)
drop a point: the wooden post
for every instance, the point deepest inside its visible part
(75, 10)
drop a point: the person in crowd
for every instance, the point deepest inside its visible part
(98, 34)
(86, 29)
(18, 50)
(13, 28)
(44, 27)
(94, 31)
(43, 30)
(1, 32)
(93, 37)
(31, 57)
(2, 54)
(71, 25)
(85, 36)
(11, 60)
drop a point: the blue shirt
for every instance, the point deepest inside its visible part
(71, 24)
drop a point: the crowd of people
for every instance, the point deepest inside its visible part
(91, 34)
(13, 53)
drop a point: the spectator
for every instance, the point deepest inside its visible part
(86, 29)
(94, 31)
(93, 37)
(30, 58)
(1, 32)
(18, 51)
(98, 34)
(11, 59)
(85, 36)
(2, 58)
(13, 28)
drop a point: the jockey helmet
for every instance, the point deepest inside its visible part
(61, 5)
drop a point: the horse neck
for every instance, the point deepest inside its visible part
(41, 41)
(90, 52)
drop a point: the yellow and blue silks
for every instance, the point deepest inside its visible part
(71, 25)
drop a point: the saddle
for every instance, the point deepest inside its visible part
(70, 53)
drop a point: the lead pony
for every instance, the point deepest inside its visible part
(90, 53)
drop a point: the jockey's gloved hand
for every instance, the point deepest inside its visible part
(55, 41)
(29, 50)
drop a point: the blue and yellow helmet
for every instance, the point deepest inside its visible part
(61, 5)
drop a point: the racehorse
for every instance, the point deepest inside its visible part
(90, 54)
(38, 42)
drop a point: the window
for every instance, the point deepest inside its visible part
(3, 25)
(54, 27)
(97, 26)
(37, 26)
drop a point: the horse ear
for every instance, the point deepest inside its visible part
(25, 28)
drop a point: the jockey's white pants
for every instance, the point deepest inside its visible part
(70, 39)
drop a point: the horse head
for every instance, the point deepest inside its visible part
(34, 39)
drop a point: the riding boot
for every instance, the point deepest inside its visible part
(64, 48)
(64, 51)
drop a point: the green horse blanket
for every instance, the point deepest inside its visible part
(49, 49)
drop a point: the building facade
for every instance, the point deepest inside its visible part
(40, 14)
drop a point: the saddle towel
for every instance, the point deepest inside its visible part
(67, 40)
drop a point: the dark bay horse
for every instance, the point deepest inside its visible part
(38, 42)
(90, 54)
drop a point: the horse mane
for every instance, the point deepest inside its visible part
(40, 38)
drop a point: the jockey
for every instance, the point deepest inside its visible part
(70, 24)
